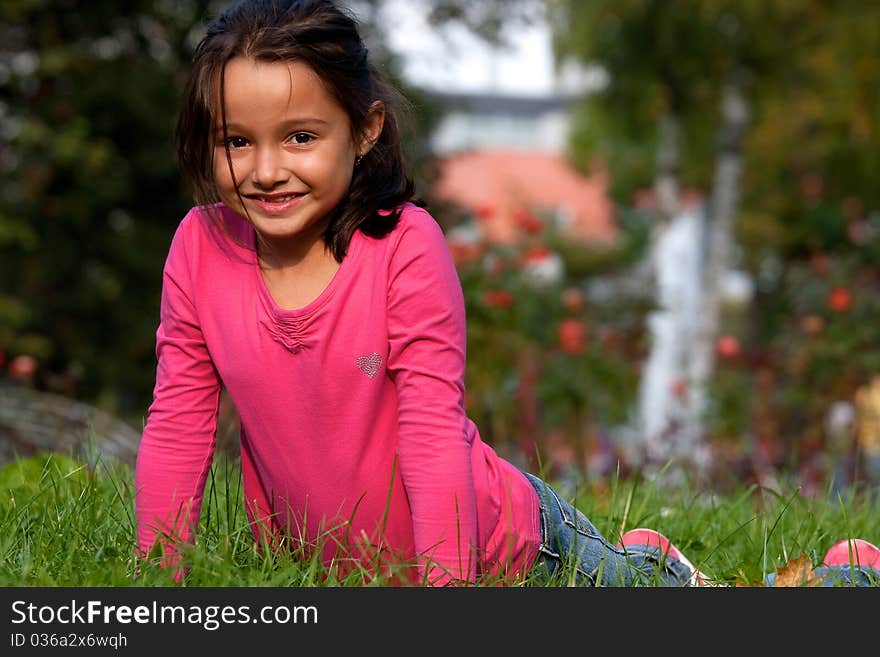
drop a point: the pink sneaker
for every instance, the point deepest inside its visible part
(653, 538)
(853, 552)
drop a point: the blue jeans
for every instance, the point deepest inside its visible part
(573, 551)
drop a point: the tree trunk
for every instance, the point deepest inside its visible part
(666, 184)
(655, 407)
(721, 214)
(34, 422)
(676, 259)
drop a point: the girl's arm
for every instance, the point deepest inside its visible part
(427, 362)
(177, 445)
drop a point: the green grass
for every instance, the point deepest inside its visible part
(64, 522)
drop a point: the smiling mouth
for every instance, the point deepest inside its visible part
(273, 198)
(276, 205)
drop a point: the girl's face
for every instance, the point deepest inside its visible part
(291, 149)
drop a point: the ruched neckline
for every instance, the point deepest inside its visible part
(291, 328)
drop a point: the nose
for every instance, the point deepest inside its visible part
(269, 170)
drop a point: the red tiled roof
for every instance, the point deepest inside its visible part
(498, 185)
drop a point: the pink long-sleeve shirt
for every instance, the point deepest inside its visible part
(354, 434)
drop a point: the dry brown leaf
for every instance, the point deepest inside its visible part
(797, 572)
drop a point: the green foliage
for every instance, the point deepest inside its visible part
(730, 412)
(90, 191)
(808, 217)
(524, 377)
(586, 260)
(670, 59)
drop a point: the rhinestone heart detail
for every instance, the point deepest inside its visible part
(369, 365)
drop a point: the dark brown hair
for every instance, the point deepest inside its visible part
(325, 36)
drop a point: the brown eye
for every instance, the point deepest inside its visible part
(301, 138)
(236, 142)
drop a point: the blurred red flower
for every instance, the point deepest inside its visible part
(812, 324)
(501, 299)
(679, 387)
(572, 335)
(535, 254)
(727, 346)
(23, 367)
(840, 299)
(530, 224)
(464, 253)
(484, 211)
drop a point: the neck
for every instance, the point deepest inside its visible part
(293, 252)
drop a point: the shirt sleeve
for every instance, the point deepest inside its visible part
(427, 363)
(177, 445)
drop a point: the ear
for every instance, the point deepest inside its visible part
(372, 128)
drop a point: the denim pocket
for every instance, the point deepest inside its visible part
(570, 542)
(575, 519)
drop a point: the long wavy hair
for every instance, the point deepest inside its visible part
(324, 35)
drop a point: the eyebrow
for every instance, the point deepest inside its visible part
(294, 122)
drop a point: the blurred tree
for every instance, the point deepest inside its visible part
(795, 83)
(90, 193)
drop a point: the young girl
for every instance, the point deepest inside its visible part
(309, 284)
